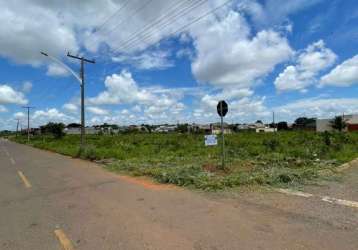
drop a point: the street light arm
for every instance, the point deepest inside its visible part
(63, 65)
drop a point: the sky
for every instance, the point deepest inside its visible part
(169, 61)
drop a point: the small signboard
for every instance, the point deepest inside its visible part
(211, 140)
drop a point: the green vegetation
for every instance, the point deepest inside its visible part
(276, 159)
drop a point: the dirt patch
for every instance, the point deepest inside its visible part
(146, 183)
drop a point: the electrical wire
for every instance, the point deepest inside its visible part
(158, 20)
(135, 12)
(154, 30)
(100, 27)
(182, 28)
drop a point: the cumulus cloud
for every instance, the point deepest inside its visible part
(147, 60)
(273, 12)
(97, 111)
(309, 63)
(10, 96)
(70, 107)
(343, 75)
(318, 107)
(55, 69)
(41, 117)
(27, 87)
(22, 36)
(19, 115)
(228, 55)
(2, 109)
(123, 89)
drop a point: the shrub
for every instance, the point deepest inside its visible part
(271, 144)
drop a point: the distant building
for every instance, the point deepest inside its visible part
(266, 130)
(166, 128)
(352, 122)
(323, 125)
(216, 128)
(77, 131)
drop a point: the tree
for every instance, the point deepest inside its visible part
(282, 126)
(73, 125)
(305, 123)
(182, 128)
(338, 123)
(56, 129)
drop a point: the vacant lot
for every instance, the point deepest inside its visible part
(280, 159)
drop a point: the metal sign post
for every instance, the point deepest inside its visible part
(222, 109)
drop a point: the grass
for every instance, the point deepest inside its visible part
(280, 159)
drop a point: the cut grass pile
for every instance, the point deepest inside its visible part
(280, 159)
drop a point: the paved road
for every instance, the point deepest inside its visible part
(49, 201)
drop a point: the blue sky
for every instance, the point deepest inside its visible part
(296, 58)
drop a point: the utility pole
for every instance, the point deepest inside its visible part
(82, 76)
(28, 122)
(273, 121)
(17, 126)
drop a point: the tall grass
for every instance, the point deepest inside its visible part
(285, 158)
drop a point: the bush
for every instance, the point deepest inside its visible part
(271, 144)
(89, 153)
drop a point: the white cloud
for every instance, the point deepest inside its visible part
(70, 107)
(228, 54)
(310, 62)
(41, 117)
(137, 109)
(97, 111)
(19, 115)
(9, 96)
(123, 89)
(29, 26)
(273, 12)
(55, 69)
(155, 102)
(2, 109)
(147, 60)
(318, 107)
(345, 74)
(27, 87)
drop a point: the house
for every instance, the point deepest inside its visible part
(323, 125)
(265, 130)
(77, 131)
(216, 128)
(166, 128)
(352, 122)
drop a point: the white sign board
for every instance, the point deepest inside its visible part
(210, 140)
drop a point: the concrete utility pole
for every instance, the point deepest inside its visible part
(28, 122)
(17, 126)
(82, 76)
(81, 80)
(273, 121)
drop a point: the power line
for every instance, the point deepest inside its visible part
(136, 11)
(158, 20)
(100, 27)
(206, 14)
(150, 31)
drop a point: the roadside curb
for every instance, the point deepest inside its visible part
(347, 165)
(340, 169)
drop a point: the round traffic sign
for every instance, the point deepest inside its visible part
(222, 108)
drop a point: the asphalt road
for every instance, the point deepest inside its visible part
(49, 201)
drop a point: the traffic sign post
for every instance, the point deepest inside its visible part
(222, 109)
